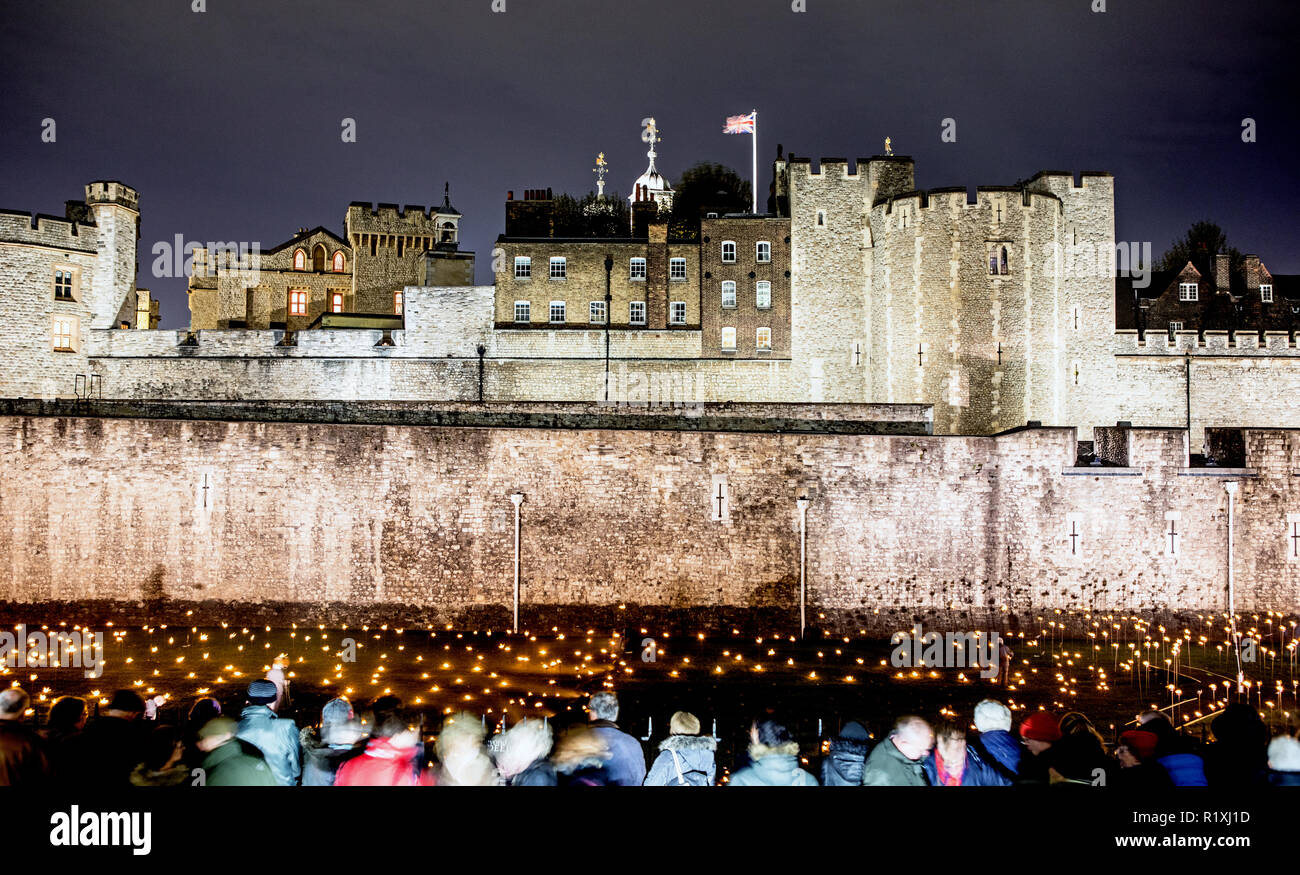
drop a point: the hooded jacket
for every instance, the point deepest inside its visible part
(843, 764)
(22, 762)
(382, 765)
(695, 753)
(773, 767)
(887, 767)
(277, 739)
(321, 762)
(1000, 751)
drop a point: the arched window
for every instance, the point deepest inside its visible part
(339, 262)
(1004, 260)
(299, 260)
(318, 258)
(447, 233)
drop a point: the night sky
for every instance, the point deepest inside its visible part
(228, 121)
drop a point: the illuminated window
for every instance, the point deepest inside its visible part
(677, 270)
(763, 339)
(339, 262)
(559, 268)
(299, 260)
(63, 284)
(1266, 293)
(728, 338)
(397, 303)
(763, 295)
(63, 333)
(729, 251)
(677, 313)
(763, 252)
(636, 269)
(636, 313)
(298, 303)
(336, 303)
(557, 311)
(523, 311)
(596, 313)
(1188, 292)
(523, 267)
(728, 293)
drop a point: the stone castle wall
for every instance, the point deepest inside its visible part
(409, 515)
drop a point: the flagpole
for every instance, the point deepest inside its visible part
(754, 170)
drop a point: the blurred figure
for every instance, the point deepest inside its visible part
(1177, 755)
(276, 674)
(62, 733)
(897, 761)
(463, 761)
(686, 758)
(1079, 756)
(522, 759)
(993, 743)
(773, 759)
(22, 761)
(1284, 761)
(276, 737)
(111, 745)
(580, 759)
(338, 740)
(1039, 731)
(201, 712)
(626, 758)
(1238, 756)
(1137, 767)
(229, 762)
(843, 764)
(390, 758)
(163, 764)
(951, 763)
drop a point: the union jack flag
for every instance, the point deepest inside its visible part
(739, 124)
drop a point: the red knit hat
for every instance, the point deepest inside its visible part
(1141, 741)
(1041, 726)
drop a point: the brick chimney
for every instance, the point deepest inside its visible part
(1252, 272)
(1222, 269)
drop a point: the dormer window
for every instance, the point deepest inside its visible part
(728, 251)
(1266, 293)
(339, 262)
(299, 260)
(1188, 292)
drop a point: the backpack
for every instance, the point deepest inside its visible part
(692, 778)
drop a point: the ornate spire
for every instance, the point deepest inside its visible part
(601, 168)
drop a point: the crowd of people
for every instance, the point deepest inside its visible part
(384, 746)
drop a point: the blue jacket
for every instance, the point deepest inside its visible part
(1185, 769)
(277, 739)
(773, 767)
(626, 763)
(1003, 753)
(976, 774)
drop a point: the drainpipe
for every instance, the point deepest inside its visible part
(516, 499)
(481, 351)
(609, 315)
(802, 504)
(1231, 486)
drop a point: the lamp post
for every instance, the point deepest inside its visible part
(1231, 486)
(609, 268)
(516, 499)
(802, 504)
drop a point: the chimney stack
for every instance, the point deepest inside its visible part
(1252, 272)
(1222, 268)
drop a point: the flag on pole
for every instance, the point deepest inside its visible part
(740, 124)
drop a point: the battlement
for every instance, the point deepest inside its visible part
(942, 198)
(1066, 181)
(390, 218)
(112, 192)
(1193, 343)
(43, 230)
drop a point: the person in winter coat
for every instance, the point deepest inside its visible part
(276, 737)
(1284, 761)
(22, 759)
(338, 740)
(1138, 769)
(773, 759)
(1238, 756)
(62, 733)
(843, 764)
(521, 755)
(1080, 756)
(1179, 756)
(463, 761)
(581, 759)
(111, 745)
(897, 761)
(203, 710)
(229, 762)
(163, 765)
(994, 744)
(1039, 731)
(953, 764)
(389, 759)
(685, 757)
(626, 763)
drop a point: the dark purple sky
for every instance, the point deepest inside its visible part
(228, 121)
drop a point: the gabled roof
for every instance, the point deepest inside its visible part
(305, 235)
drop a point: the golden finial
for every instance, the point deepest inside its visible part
(888, 148)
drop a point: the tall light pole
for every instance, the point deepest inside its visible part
(802, 504)
(1231, 486)
(516, 499)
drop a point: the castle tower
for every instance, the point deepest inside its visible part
(116, 210)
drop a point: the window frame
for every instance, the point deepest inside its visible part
(673, 308)
(632, 318)
(759, 334)
(336, 302)
(399, 303)
(1266, 293)
(727, 331)
(672, 263)
(758, 300)
(296, 297)
(563, 308)
(632, 264)
(1189, 292)
(723, 251)
(525, 262)
(759, 256)
(300, 259)
(339, 262)
(723, 294)
(527, 307)
(74, 283)
(72, 333)
(560, 261)
(592, 309)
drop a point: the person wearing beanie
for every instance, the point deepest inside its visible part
(1039, 731)
(22, 759)
(993, 744)
(686, 758)
(842, 766)
(229, 762)
(324, 751)
(1137, 766)
(111, 745)
(276, 737)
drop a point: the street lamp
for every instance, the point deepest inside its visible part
(516, 499)
(1231, 486)
(802, 504)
